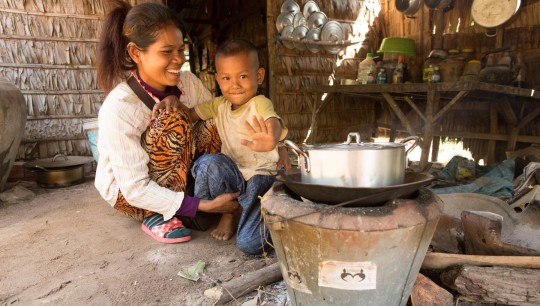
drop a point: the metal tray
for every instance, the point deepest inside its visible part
(358, 196)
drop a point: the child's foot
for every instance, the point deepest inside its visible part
(225, 228)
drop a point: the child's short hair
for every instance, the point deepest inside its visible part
(237, 46)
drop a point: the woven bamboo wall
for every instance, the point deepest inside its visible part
(47, 49)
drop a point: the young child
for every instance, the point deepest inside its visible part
(249, 152)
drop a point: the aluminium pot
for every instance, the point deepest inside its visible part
(355, 164)
(59, 171)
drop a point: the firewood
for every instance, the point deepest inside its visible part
(240, 286)
(426, 293)
(435, 260)
(482, 235)
(499, 285)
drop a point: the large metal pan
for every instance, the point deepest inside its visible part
(364, 196)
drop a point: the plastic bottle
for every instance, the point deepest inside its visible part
(381, 76)
(397, 77)
(366, 70)
(435, 75)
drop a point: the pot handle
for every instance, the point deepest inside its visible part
(59, 155)
(299, 152)
(356, 135)
(416, 140)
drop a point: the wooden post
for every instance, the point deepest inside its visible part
(493, 124)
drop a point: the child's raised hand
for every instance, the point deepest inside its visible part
(170, 103)
(261, 133)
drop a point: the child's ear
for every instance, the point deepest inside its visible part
(260, 75)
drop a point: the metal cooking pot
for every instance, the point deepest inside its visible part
(408, 7)
(437, 4)
(356, 164)
(59, 171)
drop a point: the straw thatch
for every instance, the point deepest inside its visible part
(48, 50)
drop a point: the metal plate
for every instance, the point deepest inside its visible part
(309, 8)
(283, 20)
(316, 20)
(311, 36)
(300, 33)
(368, 196)
(332, 32)
(287, 33)
(493, 13)
(290, 6)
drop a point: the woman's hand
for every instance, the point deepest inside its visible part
(170, 103)
(224, 203)
(263, 134)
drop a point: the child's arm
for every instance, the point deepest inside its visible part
(264, 134)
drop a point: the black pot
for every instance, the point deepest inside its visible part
(59, 171)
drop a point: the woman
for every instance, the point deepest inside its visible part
(144, 164)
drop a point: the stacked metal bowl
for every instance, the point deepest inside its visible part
(306, 26)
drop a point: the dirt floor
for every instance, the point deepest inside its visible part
(67, 246)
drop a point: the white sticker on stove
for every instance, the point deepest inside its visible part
(348, 275)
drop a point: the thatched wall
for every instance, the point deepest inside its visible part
(292, 70)
(47, 49)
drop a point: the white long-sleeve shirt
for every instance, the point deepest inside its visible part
(123, 163)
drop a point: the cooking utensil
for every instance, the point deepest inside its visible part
(299, 20)
(287, 33)
(493, 13)
(408, 7)
(437, 4)
(313, 35)
(368, 196)
(59, 171)
(299, 33)
(290, 6)
(332, 32)
(283, 20)
(309, 8)
(353, 164)
(316, 20)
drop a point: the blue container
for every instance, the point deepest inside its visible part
(91, 129)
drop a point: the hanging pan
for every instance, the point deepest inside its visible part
(491, 14)
(408, 7)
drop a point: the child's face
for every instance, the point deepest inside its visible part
(159, 65)
(238, 77)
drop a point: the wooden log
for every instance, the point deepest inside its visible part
(240, 286)
(482, 235)
(435, 260)
(500, 285)
(426, 293)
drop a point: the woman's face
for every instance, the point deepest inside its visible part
(159, 65)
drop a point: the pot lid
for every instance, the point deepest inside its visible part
(283, 20)
(310, 7)
(311, 36)
(290, 6)
(299, 33)
(332, 32)
(299, 20)
(59, 161)
(493, 13)
(316, 20)
(287, 33)
(368, 146)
